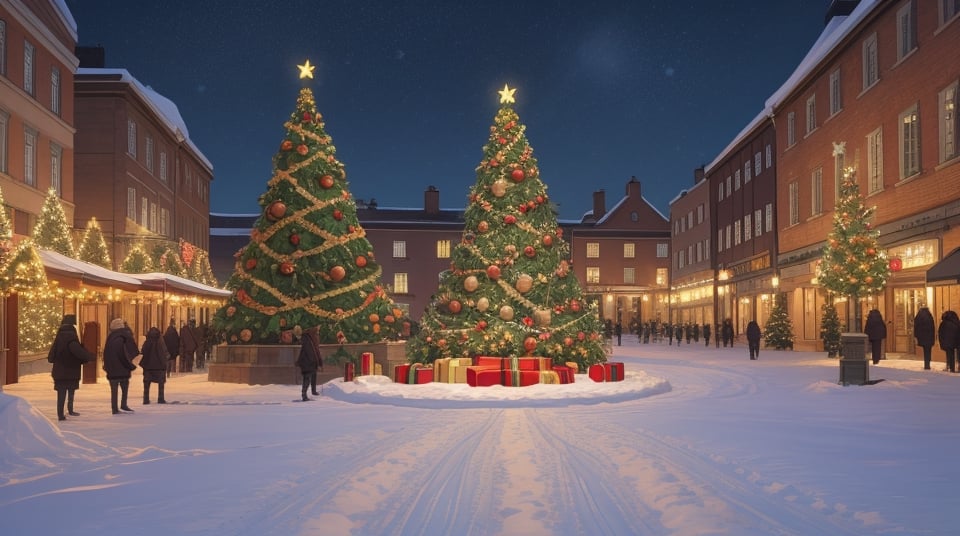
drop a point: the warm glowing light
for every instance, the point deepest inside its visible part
(306, 70)
(506, 95)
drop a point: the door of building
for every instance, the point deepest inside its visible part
(906, 301)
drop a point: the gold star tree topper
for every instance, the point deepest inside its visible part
(506, 95)
(306, 70)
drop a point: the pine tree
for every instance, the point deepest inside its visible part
(39, 308)
(6, 246)
(52, 230)
(93, 247)
(830, 329)
(201, 271)
(778, 333)
(308, 262)
(853, 264)
(168, 261)
(137, 261)
(510, 290)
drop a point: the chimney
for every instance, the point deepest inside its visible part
(91, 57)
(698, 175)
(599, 204)
(633, 188)
(431, 200)
(839, 8)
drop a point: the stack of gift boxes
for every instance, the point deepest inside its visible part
(485, 371)
(367, 367)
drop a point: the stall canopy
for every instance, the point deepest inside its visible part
(170, 283)
(947, 271)
(75, 272)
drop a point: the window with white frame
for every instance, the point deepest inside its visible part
(699, 213)
(629, 251)
(736, 233)
(794, 203)
(148, 149)
(769, 153)
(706, 248)
(747, 172)
(690, 254)
(3, 47)
(909, 142)
(690, 220)
(400, 283)
(816, 191)
(948, 122)
(628, 276)
(662, 250)
(131, 138)
(836, 101)
(681, 258)
(729, 184)
(747, 228)
(791, 129)
(875, 161)
(729, 232)
(443, 249)
(662, 276)
(906, 31)
(736, 180)
(811, 114)
(132, 203)
(593, 250)
(399, 249)
(676, 227)
(55, 90)
(758, 222)
(30, 156)
(29, 59)
(163, 166)
(699, 251)
(719, 240)
(144, 211)
(153, 217)
(768, 224)
(4, 141)
(871, 69)
(164, 222)
(720, 192)
(948, 10)
(757, 163)
(56, 168)
(593, 274)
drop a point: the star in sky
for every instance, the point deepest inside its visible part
(306, 70)
(506, 95)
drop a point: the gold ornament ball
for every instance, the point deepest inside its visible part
(524, 283)
(499, 188)
(471, 283)
(506, 313)
(483, 304)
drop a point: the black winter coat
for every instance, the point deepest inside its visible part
(949, 331)
(119, 349)
(309, 359)
(923, 328)
(875, 329)
(154, 351)
(67, 355)
(753, 332)
(172, 339)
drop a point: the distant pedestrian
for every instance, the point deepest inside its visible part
(203, 332)
(67, 356)
(753, 339)
(309, 361)
(189, 344)
(669, 329)
(876, 331)
(618, 331)
(727, 332)
(118, 352)
(706, 334)
(923, 330)
(948, 334)
(154, 364)
(716, 337)
(678, 333)
(172, 340)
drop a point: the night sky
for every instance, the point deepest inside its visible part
(408, 90)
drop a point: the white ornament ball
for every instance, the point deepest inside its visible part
(506, 313)
(483, 304)
(471, 283)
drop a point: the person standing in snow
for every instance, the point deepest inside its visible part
(923, 330)
(154, 364)
(753, 339)
(309, 361)
(188, 345)
(876, 331)
(727, 332)
(706, 333)
(171, 339)
(118, 351)
(67, 356)
(948, 333)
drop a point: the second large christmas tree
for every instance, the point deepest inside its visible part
(510, 290)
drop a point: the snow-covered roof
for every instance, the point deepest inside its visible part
(760, 118)
(161, 281)
(165, 109)
(85, 271)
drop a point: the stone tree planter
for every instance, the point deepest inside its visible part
(854, 367)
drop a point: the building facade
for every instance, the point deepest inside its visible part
(692, 276)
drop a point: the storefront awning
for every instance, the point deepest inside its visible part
(85, 273)
(947, 271)
(171, 283)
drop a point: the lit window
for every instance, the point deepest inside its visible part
(794, 203)
(758, 222)
(948, 122)
(593, 250)
(909, 142)
(628, 276)
(131, 138)
(443, 249)
(875, 161)
(747, 228)
(628, 251)
(399, 249)
(768, 225)
(30, 156)
(132, 203)
(56, 168)
(661, 276)
(593, 274)
(736, 233)
(144, 212)
(400, 283)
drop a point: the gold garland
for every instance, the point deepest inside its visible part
(306, 303)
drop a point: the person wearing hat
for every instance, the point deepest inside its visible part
(118, 351)
(67, 356)
(154, 364)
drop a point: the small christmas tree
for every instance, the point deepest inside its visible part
(168, 261)
(93, 248)
(137, 261)
(830, 329)
(510, 290)
(853, 263)
(200, 269)
(52, 230)
(778, 333)
(308, 262)
(6, 246)
(39, 309)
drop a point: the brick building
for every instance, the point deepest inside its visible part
(692, 276)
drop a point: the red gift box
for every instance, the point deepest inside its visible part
(566, 374)
(485, 376)
(596, 373)
(401, 373)
(422, 374)
(520, 363)
(521, 378)
(613, 372)
(366, 363)
(348, 372)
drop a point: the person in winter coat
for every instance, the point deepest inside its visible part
(172, 341)
(753, 339)
(925, 333)
(669, 328)
(67, 356)
(154, 364)
(309, 361)
(727, 332)
(189, 343)
(948, 334)
(876, 331)
(118, 351)
(706, 334)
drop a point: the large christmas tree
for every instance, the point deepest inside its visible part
(510, 290)
(308, 262)
(853, 263)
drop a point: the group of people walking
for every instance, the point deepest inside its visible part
(947, 335)
(159, 353)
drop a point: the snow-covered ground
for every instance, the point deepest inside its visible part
(695, 441)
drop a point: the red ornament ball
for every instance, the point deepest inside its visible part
(575, 306)
(286, 268)
(509, 219)
(337, 214)
(326, 181)
(529, 251)
(337, 273)
(286, 145)
(454, 306)
(276, 210)
(302, 149)
(517, 175)
(530, 344)
(360, 261)
(547, 240)
(493, 272)
(295, 239)
(250, 264)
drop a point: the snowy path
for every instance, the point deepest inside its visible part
(248, 462)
